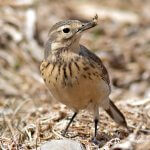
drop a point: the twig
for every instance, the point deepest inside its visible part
(57, 134)
(128, 143)
(47, 138)
(10, 126)
(20, 106)
(145, 131)
(37, 133)
(4, 125)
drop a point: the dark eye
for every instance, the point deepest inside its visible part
(66, 30)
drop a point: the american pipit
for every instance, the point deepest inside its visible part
(74, 75)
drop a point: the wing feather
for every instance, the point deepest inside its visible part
(86, 53)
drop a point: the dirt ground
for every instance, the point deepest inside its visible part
(29, 116)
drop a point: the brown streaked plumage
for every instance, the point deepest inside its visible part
(74, 75)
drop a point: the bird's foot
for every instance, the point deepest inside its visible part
(63, 133)
(99, 143)
(96, 141)
(100, 139)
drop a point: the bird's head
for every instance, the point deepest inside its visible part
(67, 34)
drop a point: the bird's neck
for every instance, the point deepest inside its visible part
(60, 52)
(72, 46)
(75, 46)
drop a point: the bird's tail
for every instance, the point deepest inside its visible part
(116, 114)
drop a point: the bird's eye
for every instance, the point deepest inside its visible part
(66, 30)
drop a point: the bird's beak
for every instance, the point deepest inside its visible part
(88, 25)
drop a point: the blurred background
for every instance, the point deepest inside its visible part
(28, 116)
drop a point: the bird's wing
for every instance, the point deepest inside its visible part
(86, 53)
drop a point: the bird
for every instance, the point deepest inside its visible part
(74, 75)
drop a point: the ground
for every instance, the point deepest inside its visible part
(28, 114)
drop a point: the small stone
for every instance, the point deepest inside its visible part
(62, 145)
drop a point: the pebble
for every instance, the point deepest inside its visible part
(64, 144)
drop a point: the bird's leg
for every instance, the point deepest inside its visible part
(96, 120)
(96, 123)
(74, 115)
